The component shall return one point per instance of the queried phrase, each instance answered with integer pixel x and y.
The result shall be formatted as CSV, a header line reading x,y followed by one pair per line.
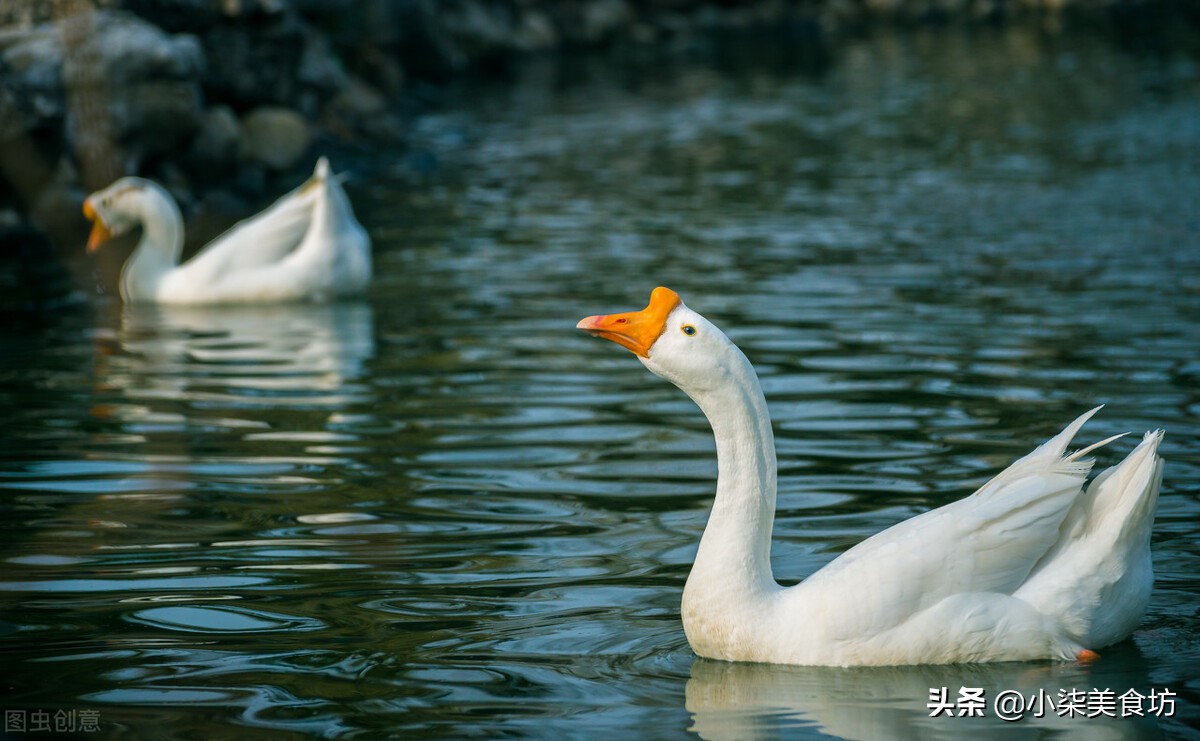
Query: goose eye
x,y
689,330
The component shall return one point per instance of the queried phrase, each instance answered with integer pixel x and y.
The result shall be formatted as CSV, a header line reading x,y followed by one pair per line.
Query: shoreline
x,y
227,104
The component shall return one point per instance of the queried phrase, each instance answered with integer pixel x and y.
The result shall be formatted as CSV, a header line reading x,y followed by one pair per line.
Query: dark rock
x,y
24,14
132,91
477,29
252,64
357,99
217,147
535,31
197,15
422,43
128,49
31,90
178,15
604,19
382,70
105,88
360,111
319,69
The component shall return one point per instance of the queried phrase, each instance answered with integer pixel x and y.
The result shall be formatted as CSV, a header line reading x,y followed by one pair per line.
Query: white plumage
x,y
307,245
1030,566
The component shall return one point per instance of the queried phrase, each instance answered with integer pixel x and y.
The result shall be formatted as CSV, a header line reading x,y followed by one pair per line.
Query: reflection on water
x,y
445,512
189,401
295,356
745,701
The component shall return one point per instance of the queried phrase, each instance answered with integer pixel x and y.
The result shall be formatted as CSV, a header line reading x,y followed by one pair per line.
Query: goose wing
x,y
989,541
1097,578
264,239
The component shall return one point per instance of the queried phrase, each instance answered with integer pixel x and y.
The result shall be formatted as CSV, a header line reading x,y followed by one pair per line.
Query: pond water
x,y
444,511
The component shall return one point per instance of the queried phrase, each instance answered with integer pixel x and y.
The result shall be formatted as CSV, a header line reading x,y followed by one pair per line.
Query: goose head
x,y
123,205
674,342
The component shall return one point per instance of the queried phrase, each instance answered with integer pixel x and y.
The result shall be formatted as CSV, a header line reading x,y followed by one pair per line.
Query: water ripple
x,y
442,511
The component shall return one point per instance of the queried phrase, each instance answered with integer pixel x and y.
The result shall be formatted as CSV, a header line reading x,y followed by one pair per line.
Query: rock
x,y
884,7
198,15
252,64
217,147
361,111
277,137
24,14
536,32
31,90
127,49
358,99
171,176
603,19
327,10
172,15
319,68
121,88
419,40
592,23
477,29
382,70
132,91
176,15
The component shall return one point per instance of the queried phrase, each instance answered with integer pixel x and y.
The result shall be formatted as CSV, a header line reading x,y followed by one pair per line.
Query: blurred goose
x,y
307,245
1030,566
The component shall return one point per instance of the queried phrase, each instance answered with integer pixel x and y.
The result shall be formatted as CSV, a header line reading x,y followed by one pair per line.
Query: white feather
x,y
307,245
1028,567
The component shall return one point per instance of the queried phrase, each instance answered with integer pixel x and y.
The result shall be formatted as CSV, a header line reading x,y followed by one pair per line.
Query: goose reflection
x,y
258,403
261,357
748,701
174,368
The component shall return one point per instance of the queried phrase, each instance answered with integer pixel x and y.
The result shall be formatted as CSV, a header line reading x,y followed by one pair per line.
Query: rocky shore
x,y
226,101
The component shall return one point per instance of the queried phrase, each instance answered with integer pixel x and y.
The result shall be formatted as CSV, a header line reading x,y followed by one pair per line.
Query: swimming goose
x,y
1030,566
307,245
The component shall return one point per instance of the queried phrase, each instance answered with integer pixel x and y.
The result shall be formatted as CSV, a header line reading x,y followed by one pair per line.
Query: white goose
x,y
1030,566
307,245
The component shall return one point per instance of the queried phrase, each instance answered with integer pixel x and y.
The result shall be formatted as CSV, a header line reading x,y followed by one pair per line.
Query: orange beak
x,y
635,330
100,233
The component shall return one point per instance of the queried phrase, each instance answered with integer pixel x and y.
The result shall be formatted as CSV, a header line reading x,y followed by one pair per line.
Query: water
x,y
443,511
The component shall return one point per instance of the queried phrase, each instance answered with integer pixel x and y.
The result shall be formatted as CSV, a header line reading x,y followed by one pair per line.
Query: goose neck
x,y
736,546
158,250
